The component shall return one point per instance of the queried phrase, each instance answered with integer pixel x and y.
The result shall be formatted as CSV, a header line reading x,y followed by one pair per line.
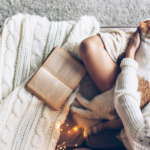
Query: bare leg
x,y
102,69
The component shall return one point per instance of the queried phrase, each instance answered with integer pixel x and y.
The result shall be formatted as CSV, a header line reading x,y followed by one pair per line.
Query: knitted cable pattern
x,y
12,33
25,121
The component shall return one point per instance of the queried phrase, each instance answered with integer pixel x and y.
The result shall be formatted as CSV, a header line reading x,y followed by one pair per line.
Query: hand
x,y
134,44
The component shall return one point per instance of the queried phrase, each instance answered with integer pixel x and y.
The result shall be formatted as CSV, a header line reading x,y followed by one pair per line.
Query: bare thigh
x,y
102,69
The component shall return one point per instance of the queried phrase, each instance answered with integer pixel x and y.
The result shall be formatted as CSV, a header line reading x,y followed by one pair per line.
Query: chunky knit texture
x,y
127,102
25,41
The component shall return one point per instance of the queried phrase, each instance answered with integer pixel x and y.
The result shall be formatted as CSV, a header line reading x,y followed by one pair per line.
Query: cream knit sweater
x,y
26,123
126,99
126,102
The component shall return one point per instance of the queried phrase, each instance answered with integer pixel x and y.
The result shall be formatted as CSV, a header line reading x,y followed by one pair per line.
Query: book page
x,y
50,89
64,67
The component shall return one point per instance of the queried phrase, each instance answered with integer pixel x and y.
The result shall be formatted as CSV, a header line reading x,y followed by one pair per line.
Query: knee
x,y
87,46
90,46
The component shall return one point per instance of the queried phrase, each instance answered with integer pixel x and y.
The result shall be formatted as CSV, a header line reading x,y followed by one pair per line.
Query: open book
x,y
56,78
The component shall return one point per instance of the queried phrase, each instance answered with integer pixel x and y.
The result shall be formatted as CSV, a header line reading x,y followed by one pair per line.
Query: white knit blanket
x,y
25,41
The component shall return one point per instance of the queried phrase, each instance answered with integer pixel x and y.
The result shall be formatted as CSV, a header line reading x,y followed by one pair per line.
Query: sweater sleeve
x,y
146,108
127,101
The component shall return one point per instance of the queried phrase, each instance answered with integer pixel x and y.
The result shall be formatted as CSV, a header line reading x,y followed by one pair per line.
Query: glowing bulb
x,y
76,145
58,125
85,135
64,146
75,128
67,125
68,131
61,129
63,142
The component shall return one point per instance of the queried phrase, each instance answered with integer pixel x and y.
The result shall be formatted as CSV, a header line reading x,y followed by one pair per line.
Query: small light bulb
x,y
58,125
85,135
76,145
67,125
75,128
61,129
68,131
63,142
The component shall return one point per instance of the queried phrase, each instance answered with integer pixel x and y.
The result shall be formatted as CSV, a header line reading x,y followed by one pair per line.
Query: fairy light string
x,y
63,145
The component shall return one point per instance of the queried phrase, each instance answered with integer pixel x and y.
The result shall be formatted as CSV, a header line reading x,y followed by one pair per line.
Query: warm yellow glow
x,y
61,129
85,134
67,125
64,146
63,142
58,125
76,144
75,128
68,131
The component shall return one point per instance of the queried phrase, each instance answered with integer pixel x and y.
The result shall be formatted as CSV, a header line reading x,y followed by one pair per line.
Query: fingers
x,y
83,101
82,112
137,32
138,29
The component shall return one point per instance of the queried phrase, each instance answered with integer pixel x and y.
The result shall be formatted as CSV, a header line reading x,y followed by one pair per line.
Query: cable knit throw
x,y
26,123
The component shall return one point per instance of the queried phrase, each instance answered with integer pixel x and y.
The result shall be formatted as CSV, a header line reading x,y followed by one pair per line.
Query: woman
x,y
104,71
